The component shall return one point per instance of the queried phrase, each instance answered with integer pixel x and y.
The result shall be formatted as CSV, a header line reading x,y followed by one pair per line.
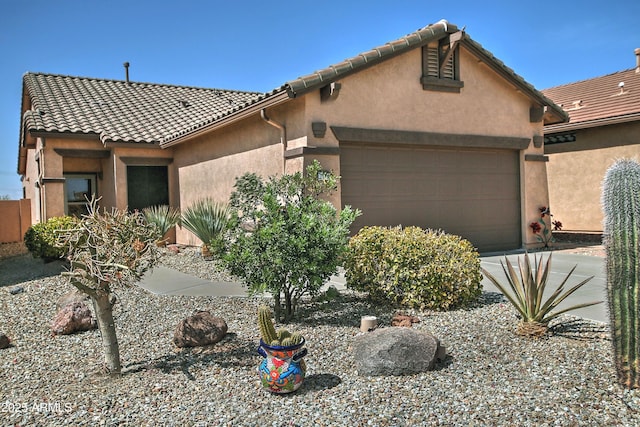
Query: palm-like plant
x,y
207,220
163,217
527,290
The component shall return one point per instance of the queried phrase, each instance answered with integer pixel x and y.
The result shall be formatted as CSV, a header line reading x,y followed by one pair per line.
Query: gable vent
x,y
433,64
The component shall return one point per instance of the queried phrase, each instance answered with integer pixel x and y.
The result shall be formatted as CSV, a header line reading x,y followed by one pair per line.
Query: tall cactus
x,y
621,206
269,334
267,330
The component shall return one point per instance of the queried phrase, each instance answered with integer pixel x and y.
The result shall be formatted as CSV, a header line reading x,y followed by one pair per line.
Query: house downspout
x,y
283,134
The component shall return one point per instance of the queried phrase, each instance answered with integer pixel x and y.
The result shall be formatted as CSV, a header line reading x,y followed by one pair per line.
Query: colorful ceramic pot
x,y
282,370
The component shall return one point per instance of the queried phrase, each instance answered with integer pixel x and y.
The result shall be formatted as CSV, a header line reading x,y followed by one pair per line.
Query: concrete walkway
x,y
165,281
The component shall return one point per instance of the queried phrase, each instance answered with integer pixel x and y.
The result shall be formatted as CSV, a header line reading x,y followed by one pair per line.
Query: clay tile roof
x,y
366,59
598,101
117,111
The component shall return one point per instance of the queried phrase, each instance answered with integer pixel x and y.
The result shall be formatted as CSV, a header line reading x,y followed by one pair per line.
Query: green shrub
x,y
284,238
40,239
412,267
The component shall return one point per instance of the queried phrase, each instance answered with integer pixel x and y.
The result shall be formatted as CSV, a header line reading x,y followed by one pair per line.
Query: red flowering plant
x,y
542,227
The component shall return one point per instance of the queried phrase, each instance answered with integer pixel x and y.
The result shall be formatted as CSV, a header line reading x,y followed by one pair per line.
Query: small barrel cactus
x,y
268,333
621,207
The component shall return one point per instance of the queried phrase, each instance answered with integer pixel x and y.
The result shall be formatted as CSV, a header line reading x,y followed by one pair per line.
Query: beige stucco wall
x,y
386,96
46,187
207,167
390,96
576,171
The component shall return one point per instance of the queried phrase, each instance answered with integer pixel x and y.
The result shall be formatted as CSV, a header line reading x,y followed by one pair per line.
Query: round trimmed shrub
x,y
412,267
40,239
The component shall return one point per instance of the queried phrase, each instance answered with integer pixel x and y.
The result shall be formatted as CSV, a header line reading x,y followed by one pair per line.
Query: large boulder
x,y
200,329
396,351
5,342
73,317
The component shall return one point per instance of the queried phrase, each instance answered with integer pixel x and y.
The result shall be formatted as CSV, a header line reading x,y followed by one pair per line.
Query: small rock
x,y
5,342
174,248
70,298
72,318
403,320
396,351
16,290
200,329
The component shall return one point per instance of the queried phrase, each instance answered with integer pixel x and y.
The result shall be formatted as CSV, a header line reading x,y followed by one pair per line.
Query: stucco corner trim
x,y
317,151
387,136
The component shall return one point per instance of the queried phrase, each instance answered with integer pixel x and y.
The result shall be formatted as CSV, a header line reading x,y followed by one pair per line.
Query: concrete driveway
x,y
561,264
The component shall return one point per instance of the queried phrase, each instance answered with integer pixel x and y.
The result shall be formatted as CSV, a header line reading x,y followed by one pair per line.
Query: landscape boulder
x,y
199,330
396,351
73,317
70,298
5,342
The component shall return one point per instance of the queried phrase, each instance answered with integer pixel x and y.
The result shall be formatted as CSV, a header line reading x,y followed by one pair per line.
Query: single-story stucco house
x,y
604,125
429,130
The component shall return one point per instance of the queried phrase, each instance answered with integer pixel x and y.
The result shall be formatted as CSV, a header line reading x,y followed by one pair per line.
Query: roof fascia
x,y
320,78
278,98
517,81
563,127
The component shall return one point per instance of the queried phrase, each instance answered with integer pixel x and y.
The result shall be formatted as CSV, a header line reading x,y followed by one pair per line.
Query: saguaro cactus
x,y
621,206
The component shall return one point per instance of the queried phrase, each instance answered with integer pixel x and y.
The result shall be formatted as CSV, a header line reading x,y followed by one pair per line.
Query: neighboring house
x,y
429,130
604,126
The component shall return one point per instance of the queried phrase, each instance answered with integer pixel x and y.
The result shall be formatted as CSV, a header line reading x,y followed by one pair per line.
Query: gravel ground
x,y
490,377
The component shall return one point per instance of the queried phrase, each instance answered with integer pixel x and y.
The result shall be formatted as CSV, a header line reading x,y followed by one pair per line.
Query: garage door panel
x,y
471,193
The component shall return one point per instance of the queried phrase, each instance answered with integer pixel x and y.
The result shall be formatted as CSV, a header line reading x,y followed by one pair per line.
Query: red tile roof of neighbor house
x,y
614,98
122,111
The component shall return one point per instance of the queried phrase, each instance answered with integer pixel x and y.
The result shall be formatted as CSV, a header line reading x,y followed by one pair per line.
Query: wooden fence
x,y
15,219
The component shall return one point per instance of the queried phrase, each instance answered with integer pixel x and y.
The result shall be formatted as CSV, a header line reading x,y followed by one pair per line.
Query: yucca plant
x,y
163,218
207,220
526,293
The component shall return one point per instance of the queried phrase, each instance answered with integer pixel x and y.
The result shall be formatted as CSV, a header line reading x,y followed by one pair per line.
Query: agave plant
x,y
207,220
527,293
163,217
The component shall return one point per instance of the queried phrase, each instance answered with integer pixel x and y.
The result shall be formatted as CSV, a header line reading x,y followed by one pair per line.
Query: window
x,y
440,66
147,186
78,189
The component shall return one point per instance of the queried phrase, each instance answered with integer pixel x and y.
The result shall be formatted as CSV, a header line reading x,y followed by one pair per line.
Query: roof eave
x,y
554,113
320,78
278,97
564,127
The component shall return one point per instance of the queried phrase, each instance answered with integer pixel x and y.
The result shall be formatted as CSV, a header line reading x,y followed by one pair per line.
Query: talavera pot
x,y
282,370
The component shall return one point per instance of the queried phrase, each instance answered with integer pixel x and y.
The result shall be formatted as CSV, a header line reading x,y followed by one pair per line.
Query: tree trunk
x,y
104,314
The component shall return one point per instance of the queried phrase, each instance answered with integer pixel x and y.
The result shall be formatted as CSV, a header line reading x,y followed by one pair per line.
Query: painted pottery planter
x,y
282,370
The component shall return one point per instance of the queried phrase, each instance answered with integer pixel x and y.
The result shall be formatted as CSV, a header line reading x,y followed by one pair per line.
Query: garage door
x,y
471,193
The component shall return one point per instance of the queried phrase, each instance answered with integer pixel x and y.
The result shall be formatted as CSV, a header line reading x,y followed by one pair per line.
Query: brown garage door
x,y
471,193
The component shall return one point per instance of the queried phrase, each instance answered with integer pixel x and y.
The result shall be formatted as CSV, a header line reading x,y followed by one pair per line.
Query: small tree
x,y
283,238
106,251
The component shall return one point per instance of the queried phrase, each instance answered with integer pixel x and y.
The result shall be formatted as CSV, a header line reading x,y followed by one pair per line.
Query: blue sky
x,y
258,45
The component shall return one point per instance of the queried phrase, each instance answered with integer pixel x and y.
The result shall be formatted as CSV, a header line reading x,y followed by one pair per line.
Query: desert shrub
x,y
412,267
207,220
163,217
285,239
41,239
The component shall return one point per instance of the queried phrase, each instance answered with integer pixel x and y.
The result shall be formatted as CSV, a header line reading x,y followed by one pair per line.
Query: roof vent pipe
x,y
637,52
126,71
